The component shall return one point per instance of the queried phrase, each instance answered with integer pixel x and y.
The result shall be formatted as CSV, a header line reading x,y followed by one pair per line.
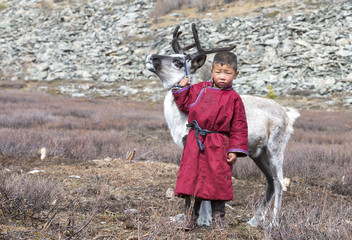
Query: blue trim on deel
x,y
200,94
237,150
181,90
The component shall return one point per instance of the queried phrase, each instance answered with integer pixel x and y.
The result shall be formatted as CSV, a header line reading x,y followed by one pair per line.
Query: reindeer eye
x,y
178,63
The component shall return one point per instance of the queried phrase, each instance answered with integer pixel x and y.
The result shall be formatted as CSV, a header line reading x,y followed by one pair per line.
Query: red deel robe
x,y
207,174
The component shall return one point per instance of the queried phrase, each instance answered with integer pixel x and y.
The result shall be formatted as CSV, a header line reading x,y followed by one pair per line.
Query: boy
x,y
218,135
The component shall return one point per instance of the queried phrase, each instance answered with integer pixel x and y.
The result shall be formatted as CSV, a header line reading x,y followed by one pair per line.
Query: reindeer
x,y
270,125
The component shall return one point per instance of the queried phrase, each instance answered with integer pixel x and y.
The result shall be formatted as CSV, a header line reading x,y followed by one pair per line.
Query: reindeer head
x,y
171,69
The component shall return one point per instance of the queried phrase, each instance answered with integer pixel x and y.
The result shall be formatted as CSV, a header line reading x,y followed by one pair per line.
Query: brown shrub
x,y
40,203
316,217
245,168
23,197
82,130
162,7
319,150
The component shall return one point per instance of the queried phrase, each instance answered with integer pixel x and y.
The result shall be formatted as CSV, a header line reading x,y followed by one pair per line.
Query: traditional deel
x,y
221,114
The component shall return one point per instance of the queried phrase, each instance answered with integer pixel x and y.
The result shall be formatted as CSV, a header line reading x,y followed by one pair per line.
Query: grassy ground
x,y
86,188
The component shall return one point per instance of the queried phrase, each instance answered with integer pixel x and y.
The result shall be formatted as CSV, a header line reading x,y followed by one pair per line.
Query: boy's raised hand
x,y
184,82
232,157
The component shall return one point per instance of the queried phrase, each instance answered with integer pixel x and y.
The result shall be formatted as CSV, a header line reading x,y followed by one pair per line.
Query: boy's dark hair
x,y
224,58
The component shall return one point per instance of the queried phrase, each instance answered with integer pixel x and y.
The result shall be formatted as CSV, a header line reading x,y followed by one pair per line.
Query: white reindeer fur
x,y
175,119
270,126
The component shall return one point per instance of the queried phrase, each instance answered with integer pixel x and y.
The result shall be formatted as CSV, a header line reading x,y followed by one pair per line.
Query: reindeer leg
x,y
205,214
263,164
273,161
278,184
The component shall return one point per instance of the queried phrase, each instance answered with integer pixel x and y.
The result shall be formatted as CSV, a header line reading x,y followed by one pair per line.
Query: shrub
x,y
81,130
40,203
317,217
24,197
162,7
319,150
271,93
201,5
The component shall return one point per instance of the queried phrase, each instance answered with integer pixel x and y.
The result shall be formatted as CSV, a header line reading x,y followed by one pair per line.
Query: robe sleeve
x,y
238,137
183,98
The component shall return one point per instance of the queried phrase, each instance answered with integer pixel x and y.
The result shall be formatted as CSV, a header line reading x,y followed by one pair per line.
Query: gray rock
x,y
323,82
348,101
84,75
344,53
330,103
274,42
107,41
57,76
348,78
125,90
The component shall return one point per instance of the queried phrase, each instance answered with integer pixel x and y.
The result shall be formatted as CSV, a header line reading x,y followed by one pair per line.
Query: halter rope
x,y
186,74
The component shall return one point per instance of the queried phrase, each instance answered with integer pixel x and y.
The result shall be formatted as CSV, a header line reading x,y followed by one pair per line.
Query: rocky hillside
x,y
299,48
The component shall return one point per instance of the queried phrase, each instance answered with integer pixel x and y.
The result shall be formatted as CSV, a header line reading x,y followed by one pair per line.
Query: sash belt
x,y
199,131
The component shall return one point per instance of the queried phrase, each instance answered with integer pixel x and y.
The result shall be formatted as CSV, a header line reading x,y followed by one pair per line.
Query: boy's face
x,y
223,75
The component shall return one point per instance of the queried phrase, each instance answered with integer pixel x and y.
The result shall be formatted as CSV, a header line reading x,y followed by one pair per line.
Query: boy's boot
x,y
191,214
218,213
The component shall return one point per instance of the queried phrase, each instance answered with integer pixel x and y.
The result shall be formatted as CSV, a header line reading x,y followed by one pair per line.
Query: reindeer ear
x,y
198,62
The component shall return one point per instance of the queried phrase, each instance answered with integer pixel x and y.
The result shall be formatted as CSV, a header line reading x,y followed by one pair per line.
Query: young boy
x,y
218,135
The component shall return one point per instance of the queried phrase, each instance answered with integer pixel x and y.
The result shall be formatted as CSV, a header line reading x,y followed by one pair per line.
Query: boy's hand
x,y
184,82
232,157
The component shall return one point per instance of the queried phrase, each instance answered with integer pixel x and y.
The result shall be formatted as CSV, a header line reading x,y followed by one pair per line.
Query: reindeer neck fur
x,y
175,119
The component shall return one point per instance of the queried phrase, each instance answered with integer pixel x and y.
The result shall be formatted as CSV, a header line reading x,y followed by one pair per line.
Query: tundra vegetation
x,y
166,6
85,188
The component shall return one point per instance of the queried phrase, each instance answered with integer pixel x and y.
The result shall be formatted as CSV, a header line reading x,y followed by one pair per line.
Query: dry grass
x,y
320,151
314,216
27,197
119,199
163,7
81,130
219,9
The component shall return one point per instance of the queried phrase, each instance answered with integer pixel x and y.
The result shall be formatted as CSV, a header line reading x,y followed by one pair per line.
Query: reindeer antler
x,y
177,48
176,45
211,50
